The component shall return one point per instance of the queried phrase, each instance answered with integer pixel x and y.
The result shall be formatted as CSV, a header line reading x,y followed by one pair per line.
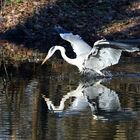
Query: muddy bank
x,y
29,25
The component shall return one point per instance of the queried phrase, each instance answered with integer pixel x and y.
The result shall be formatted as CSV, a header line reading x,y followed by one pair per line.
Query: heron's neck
x,y
63,51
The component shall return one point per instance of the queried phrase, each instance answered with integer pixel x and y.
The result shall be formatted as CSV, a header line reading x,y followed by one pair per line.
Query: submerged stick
x,y
5,69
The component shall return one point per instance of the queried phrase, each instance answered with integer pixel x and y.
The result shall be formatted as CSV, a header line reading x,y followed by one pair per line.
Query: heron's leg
x,y
99,72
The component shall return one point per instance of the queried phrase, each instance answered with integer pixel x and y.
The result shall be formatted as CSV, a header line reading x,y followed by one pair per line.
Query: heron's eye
x,y
51,50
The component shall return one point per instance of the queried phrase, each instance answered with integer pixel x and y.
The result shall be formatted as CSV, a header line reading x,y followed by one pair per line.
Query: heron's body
x,y
103,54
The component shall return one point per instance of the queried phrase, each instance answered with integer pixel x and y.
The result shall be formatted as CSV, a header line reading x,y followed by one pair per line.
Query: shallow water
x,y
54,102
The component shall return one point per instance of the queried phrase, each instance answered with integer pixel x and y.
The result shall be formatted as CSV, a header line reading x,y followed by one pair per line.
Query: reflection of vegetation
x,y
129,89
19,105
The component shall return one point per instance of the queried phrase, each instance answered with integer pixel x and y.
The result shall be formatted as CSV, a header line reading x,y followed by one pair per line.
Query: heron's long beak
x,y
46,58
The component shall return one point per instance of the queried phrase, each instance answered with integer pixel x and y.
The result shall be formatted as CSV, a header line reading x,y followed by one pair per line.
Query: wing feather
x,y
106,53
78,44
104,58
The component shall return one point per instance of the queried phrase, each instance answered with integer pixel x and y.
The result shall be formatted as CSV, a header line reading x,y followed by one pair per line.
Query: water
x,y
54,102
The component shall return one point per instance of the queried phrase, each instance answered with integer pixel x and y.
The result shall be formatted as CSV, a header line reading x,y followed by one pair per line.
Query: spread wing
x,y
106,53
78,44
102,58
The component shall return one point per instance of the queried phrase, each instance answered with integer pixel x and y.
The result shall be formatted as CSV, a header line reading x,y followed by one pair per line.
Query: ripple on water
x,y
25,115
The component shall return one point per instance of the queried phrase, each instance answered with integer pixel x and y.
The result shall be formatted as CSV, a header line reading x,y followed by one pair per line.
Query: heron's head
x,y
50,53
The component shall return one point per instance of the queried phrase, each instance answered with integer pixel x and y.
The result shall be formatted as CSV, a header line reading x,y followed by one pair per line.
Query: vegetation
x,y
28,25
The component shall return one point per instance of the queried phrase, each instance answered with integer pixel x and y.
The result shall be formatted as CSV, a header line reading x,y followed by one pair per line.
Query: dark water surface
x,y
55,103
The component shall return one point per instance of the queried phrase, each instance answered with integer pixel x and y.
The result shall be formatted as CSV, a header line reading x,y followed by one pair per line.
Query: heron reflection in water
x,y
104,53
93,95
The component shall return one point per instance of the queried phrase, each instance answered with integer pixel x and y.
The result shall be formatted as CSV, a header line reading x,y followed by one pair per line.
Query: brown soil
x,y
30,23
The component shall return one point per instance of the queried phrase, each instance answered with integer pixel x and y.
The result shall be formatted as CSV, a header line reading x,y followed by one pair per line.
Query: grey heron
x,y
104,53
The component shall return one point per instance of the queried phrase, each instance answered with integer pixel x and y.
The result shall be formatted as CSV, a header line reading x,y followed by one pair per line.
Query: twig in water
x,y
5,69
